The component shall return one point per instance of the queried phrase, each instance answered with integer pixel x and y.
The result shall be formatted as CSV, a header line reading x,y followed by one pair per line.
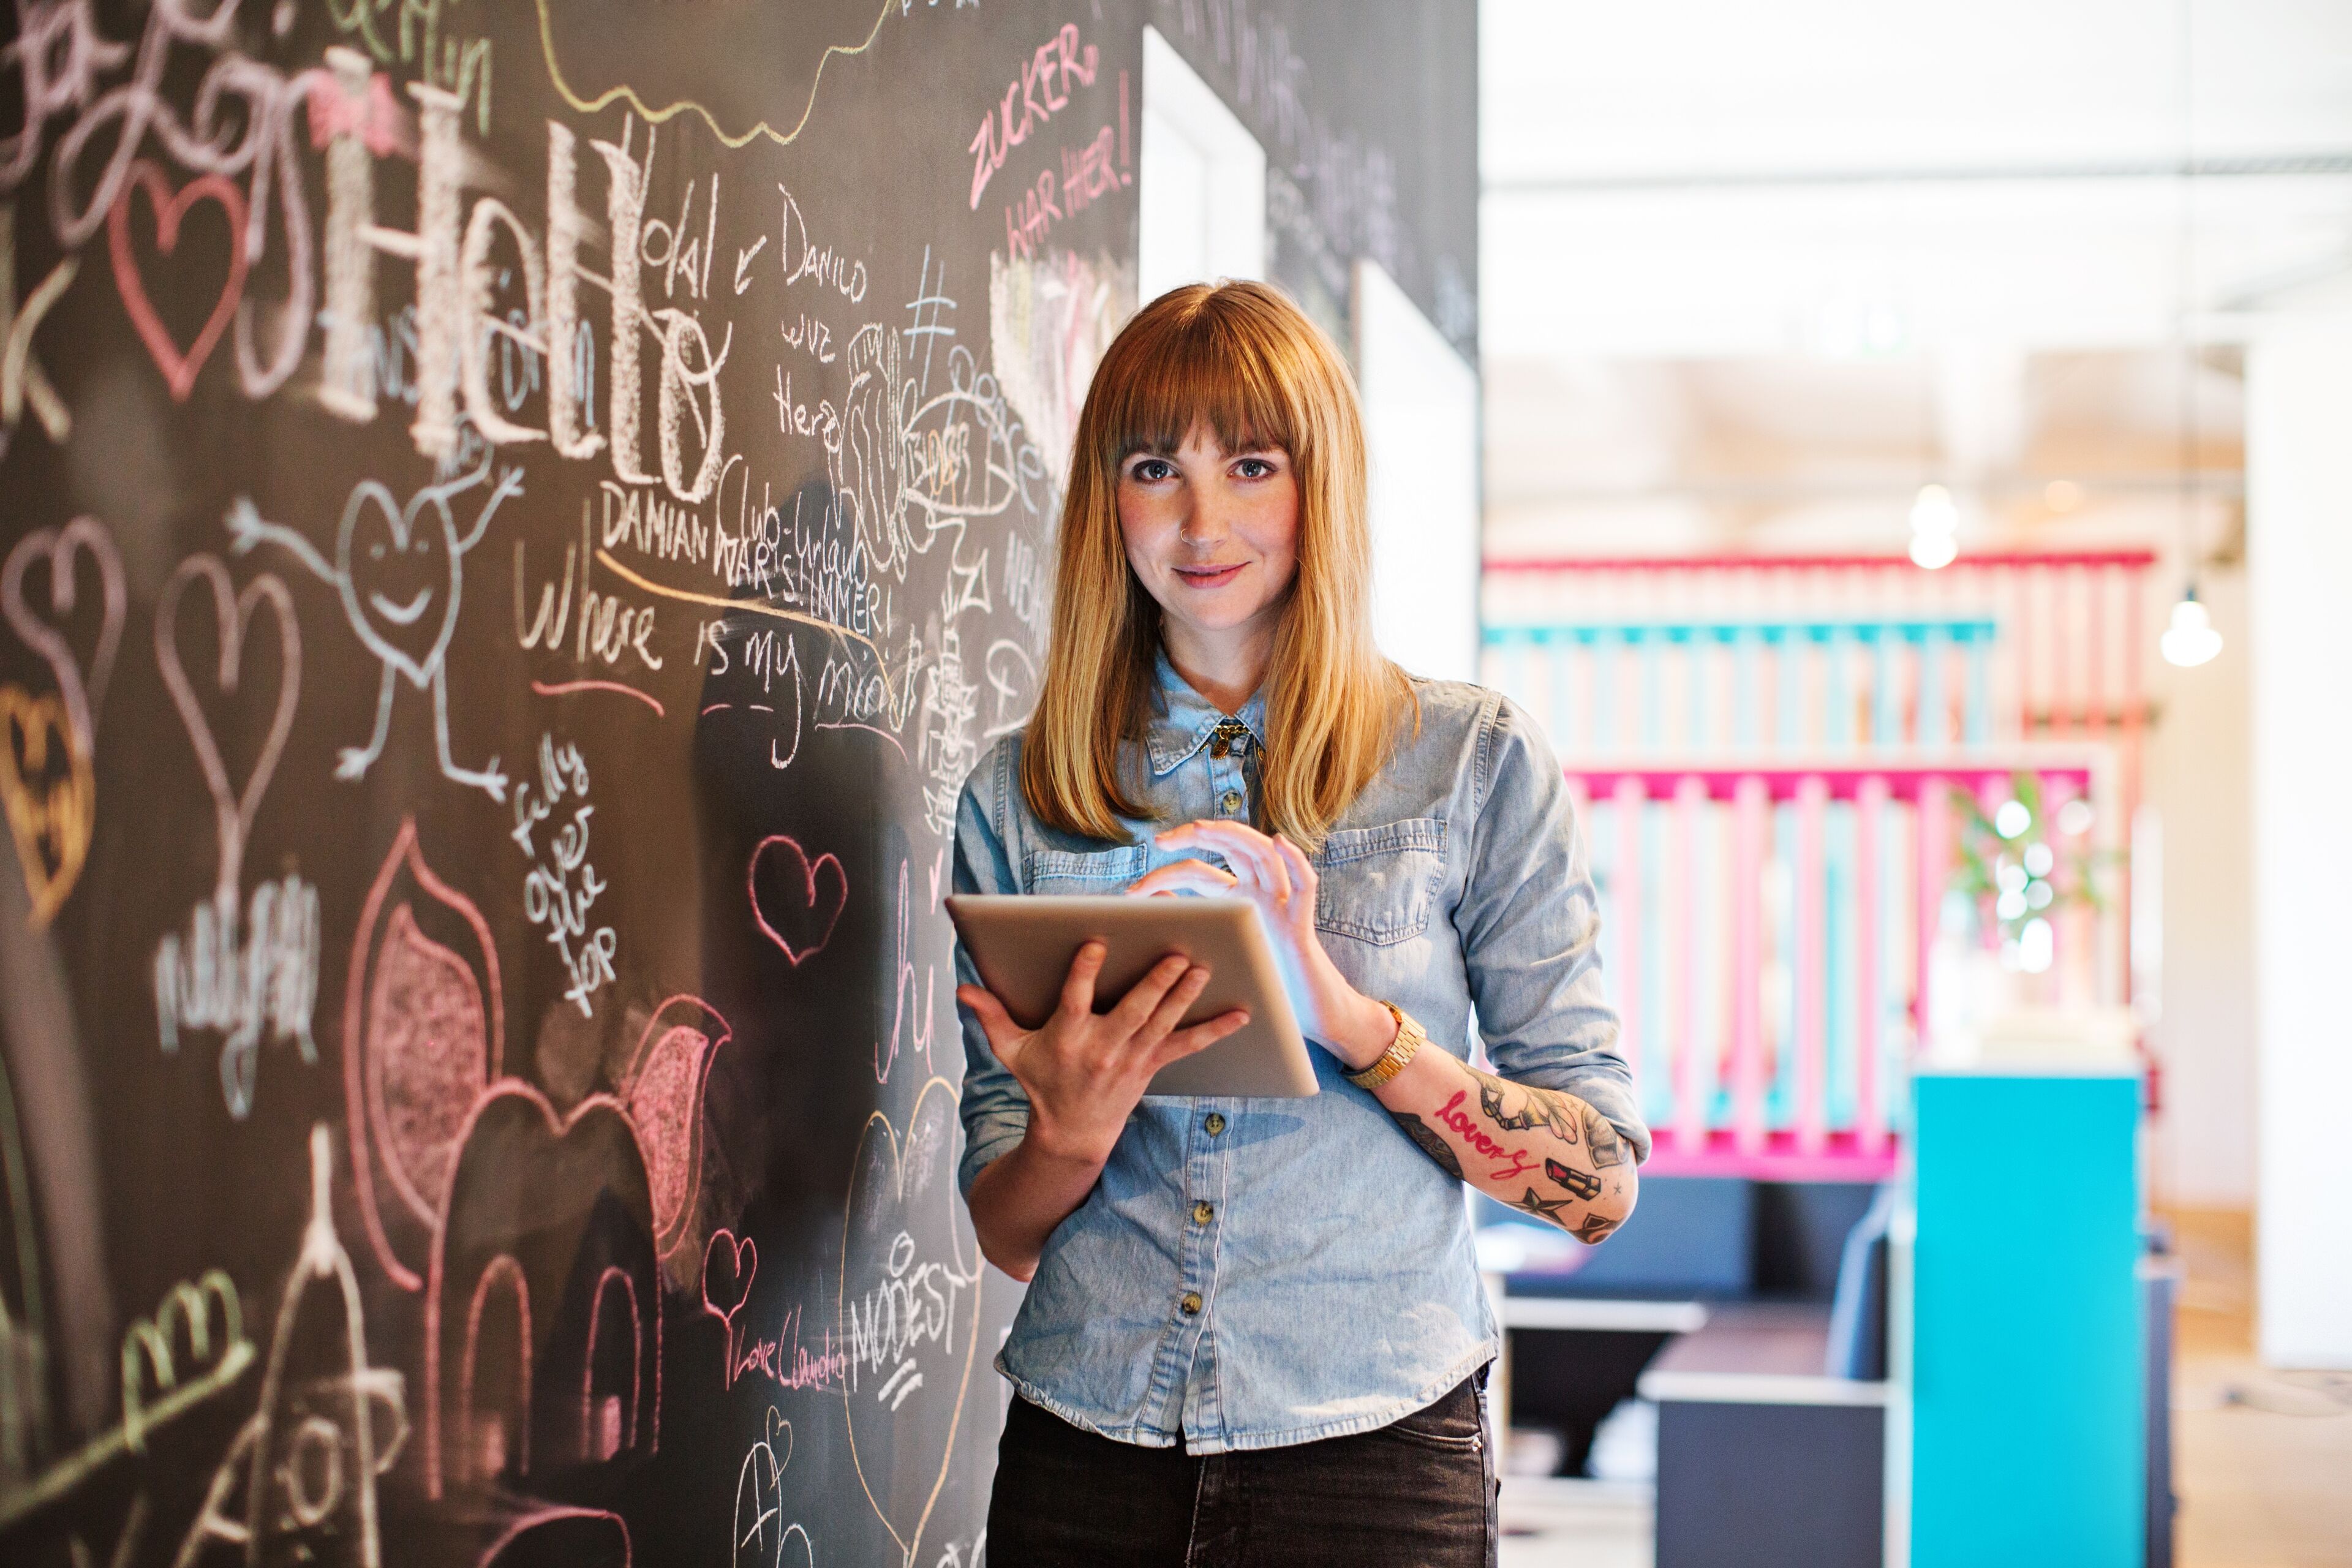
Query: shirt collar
x,y
1182,720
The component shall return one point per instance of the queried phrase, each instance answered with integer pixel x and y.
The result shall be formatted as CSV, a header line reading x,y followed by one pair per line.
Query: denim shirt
x,y
1261,1272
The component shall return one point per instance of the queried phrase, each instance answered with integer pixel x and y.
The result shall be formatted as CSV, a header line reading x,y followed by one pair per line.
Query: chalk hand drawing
x,y
192,1348
544,1308
237,981
424,1035
179,366
761,1536
329,1424
48,744
795,900
385,571
910,1312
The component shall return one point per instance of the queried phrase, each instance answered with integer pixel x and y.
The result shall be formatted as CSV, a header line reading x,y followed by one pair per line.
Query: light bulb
x,y
1934,525
2190,641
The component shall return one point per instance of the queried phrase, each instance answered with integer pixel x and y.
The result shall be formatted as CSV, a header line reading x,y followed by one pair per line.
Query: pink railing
x,y
1784,1053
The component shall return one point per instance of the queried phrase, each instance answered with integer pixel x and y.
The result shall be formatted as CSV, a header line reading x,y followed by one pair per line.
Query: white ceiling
x,y
1843,178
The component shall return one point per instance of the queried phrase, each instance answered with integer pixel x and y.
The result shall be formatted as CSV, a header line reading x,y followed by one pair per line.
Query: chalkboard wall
x,y
517,517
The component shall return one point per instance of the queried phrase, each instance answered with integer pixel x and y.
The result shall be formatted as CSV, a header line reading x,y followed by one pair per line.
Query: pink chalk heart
x,y
729,1266
795,900
179,368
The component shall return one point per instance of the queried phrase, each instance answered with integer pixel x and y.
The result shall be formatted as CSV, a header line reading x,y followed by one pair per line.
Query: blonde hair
x,y
1245,361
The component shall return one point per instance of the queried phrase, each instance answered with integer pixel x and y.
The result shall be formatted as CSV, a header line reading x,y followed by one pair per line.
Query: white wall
x,y
1202,193
2198,779
1421,428
2299,558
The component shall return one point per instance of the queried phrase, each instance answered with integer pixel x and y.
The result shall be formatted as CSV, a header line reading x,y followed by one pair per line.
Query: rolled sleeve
x,y
1531,922
995,1108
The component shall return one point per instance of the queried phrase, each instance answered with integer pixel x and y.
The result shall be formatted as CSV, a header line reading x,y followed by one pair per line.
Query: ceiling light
x,y
2190,641
1935,527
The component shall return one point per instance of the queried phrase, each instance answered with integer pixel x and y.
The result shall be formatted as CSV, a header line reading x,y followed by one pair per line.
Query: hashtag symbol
x,y
931,297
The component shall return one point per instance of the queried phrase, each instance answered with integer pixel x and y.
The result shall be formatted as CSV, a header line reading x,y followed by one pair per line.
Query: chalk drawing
x,y
795,900
761,1536
49,791
237,979
536,1196
388,582
306,1461
624,93
905,1280
22,379
179,365
192,1348
588,1537
424,1033
663,1088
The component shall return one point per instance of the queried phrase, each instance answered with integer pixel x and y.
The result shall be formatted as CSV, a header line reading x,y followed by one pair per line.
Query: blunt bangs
x,y
1206,364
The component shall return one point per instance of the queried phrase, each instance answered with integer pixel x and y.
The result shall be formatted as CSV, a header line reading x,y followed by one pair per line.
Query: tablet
x,y
1023,946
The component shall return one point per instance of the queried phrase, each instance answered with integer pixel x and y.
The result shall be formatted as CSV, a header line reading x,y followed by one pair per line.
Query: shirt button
x,y
1203,1214
1190,1303
1230,803
1213,1124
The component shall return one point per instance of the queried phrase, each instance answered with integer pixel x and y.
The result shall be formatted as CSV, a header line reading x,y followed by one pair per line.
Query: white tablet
x,y
1023,946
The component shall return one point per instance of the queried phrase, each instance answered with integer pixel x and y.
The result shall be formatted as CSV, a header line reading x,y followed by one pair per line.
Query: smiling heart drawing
x,y
401,576
179,367
233,808
910,1312
49,793
48,745
795,900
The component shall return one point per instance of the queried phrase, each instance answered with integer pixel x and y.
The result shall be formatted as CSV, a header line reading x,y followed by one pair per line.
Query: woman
x,y
1255,1330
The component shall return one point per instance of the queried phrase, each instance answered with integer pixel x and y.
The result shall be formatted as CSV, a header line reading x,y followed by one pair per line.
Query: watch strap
x,y
1410,1038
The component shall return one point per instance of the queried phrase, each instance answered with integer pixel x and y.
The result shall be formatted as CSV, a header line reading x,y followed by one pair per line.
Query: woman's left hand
x,y
1275,875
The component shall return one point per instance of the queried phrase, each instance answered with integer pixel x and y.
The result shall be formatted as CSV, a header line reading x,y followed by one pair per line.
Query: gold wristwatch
x,y
1410,1038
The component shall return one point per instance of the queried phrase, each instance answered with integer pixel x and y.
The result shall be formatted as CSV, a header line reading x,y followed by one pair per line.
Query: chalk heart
x,y
49,793
910,1312
233,615
729,1266
795,900
179,365
44,618
402,576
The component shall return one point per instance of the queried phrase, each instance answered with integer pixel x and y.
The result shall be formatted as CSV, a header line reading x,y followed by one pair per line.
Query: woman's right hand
x,y
1085,1072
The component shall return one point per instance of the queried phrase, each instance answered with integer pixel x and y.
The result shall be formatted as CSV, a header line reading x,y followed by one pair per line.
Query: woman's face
x,y
1214,536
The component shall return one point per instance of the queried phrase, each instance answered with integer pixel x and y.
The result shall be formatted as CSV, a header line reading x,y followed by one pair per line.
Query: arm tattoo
x,y
1608,1149
1435,1147
1544,1108
1594,1228
1542,1209
1581,1185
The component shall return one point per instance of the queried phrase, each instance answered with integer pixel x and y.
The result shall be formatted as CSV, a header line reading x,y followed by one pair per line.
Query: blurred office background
x,y
1865,387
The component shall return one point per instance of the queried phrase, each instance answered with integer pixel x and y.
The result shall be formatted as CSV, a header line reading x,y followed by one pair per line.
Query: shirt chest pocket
x,y
1064,872
1379,884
